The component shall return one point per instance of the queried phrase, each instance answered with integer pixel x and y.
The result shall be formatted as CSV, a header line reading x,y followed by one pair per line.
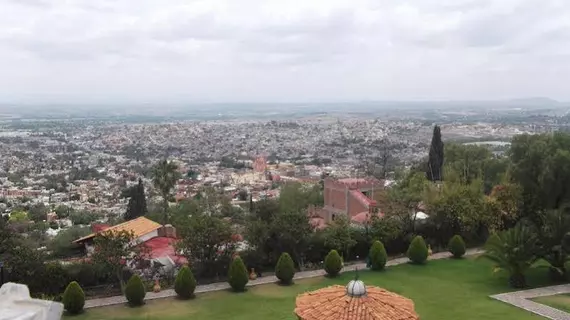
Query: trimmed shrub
x,y
135,291
73,298
418,251
285,269
185,284
378,256
456,246
237,275
333,263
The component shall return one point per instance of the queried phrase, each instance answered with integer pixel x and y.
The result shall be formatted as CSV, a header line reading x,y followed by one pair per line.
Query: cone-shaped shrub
x,y
378,256
333,263
185,284
285,269
456,246
418,251
73,298
135,291
237,275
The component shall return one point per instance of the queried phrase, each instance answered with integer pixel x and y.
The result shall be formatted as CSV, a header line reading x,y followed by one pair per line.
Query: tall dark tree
x,y
137,202
435,160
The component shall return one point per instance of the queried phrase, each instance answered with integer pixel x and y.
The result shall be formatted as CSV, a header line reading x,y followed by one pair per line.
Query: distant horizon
x,y
532,100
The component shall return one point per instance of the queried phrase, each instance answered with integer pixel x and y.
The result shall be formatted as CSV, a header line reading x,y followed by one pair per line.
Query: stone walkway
x,y
101,302
522,300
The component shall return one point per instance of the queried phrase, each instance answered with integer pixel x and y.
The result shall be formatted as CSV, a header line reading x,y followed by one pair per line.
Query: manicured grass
x,y
441,290
559,301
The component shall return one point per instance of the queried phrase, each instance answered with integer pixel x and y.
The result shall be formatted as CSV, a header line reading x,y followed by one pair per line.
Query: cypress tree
x,y
435,160
137,202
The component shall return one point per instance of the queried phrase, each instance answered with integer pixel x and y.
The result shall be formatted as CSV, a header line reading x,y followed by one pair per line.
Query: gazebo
x,y
354,302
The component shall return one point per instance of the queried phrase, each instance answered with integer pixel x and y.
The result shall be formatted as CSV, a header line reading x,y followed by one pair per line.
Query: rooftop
x,y
354,302
139,226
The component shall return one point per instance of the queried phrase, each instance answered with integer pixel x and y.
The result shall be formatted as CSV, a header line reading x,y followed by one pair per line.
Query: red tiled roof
x,y
365,216
332,303
99,227
160,247
357,194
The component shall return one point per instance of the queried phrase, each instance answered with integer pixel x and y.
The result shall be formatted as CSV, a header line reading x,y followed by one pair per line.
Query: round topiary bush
x,y
185,284
73,298
456,246
135,291
378,256
285,269
418,251
237,275
333,263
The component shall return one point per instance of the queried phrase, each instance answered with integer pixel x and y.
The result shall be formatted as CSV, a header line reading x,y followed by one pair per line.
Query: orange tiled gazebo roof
x,y
340,303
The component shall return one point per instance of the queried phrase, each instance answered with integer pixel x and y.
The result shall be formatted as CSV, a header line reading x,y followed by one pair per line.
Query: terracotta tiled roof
x,y
365,216
139,226
332,303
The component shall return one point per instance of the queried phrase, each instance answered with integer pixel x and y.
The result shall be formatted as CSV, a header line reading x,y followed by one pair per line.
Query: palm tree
x,y
164,177
514,251
554,242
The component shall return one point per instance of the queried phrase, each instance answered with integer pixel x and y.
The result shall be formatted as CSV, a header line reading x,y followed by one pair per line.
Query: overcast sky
x,y
282,51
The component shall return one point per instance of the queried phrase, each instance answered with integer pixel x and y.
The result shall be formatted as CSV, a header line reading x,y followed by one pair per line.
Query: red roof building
x,y
350,197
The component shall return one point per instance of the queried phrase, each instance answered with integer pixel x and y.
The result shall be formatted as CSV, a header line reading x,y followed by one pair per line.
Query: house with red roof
x,y
352,197
159,240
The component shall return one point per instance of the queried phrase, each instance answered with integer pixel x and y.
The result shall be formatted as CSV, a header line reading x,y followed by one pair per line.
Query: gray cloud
x,y
285,50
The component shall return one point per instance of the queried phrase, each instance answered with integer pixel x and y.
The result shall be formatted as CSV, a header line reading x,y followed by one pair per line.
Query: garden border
x,y
521,299
116,300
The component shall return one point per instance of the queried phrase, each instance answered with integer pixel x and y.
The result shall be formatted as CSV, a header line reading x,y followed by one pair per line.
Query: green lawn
x,y
559,301
441,290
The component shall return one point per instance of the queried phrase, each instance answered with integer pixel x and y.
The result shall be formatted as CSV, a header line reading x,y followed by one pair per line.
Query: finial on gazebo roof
x,y
356,288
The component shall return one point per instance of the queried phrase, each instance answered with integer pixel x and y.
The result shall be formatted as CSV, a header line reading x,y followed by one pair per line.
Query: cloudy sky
x,y
282,51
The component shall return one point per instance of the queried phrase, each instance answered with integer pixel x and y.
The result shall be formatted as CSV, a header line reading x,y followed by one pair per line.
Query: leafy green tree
x,y
206,240
386,228
456,246
185,284
541,166
135,291
295,197
62,246
164,177
113,248
378,256
554,242
513,250
338,235
285,269
83,217
26,265
18,216
137,202
237,275
291,232
333,263
473,162
63,211
73,298
435,160
8,237
418,251
459,208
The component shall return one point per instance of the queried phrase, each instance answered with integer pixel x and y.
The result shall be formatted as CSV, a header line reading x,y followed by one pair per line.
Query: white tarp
x,y
16,304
